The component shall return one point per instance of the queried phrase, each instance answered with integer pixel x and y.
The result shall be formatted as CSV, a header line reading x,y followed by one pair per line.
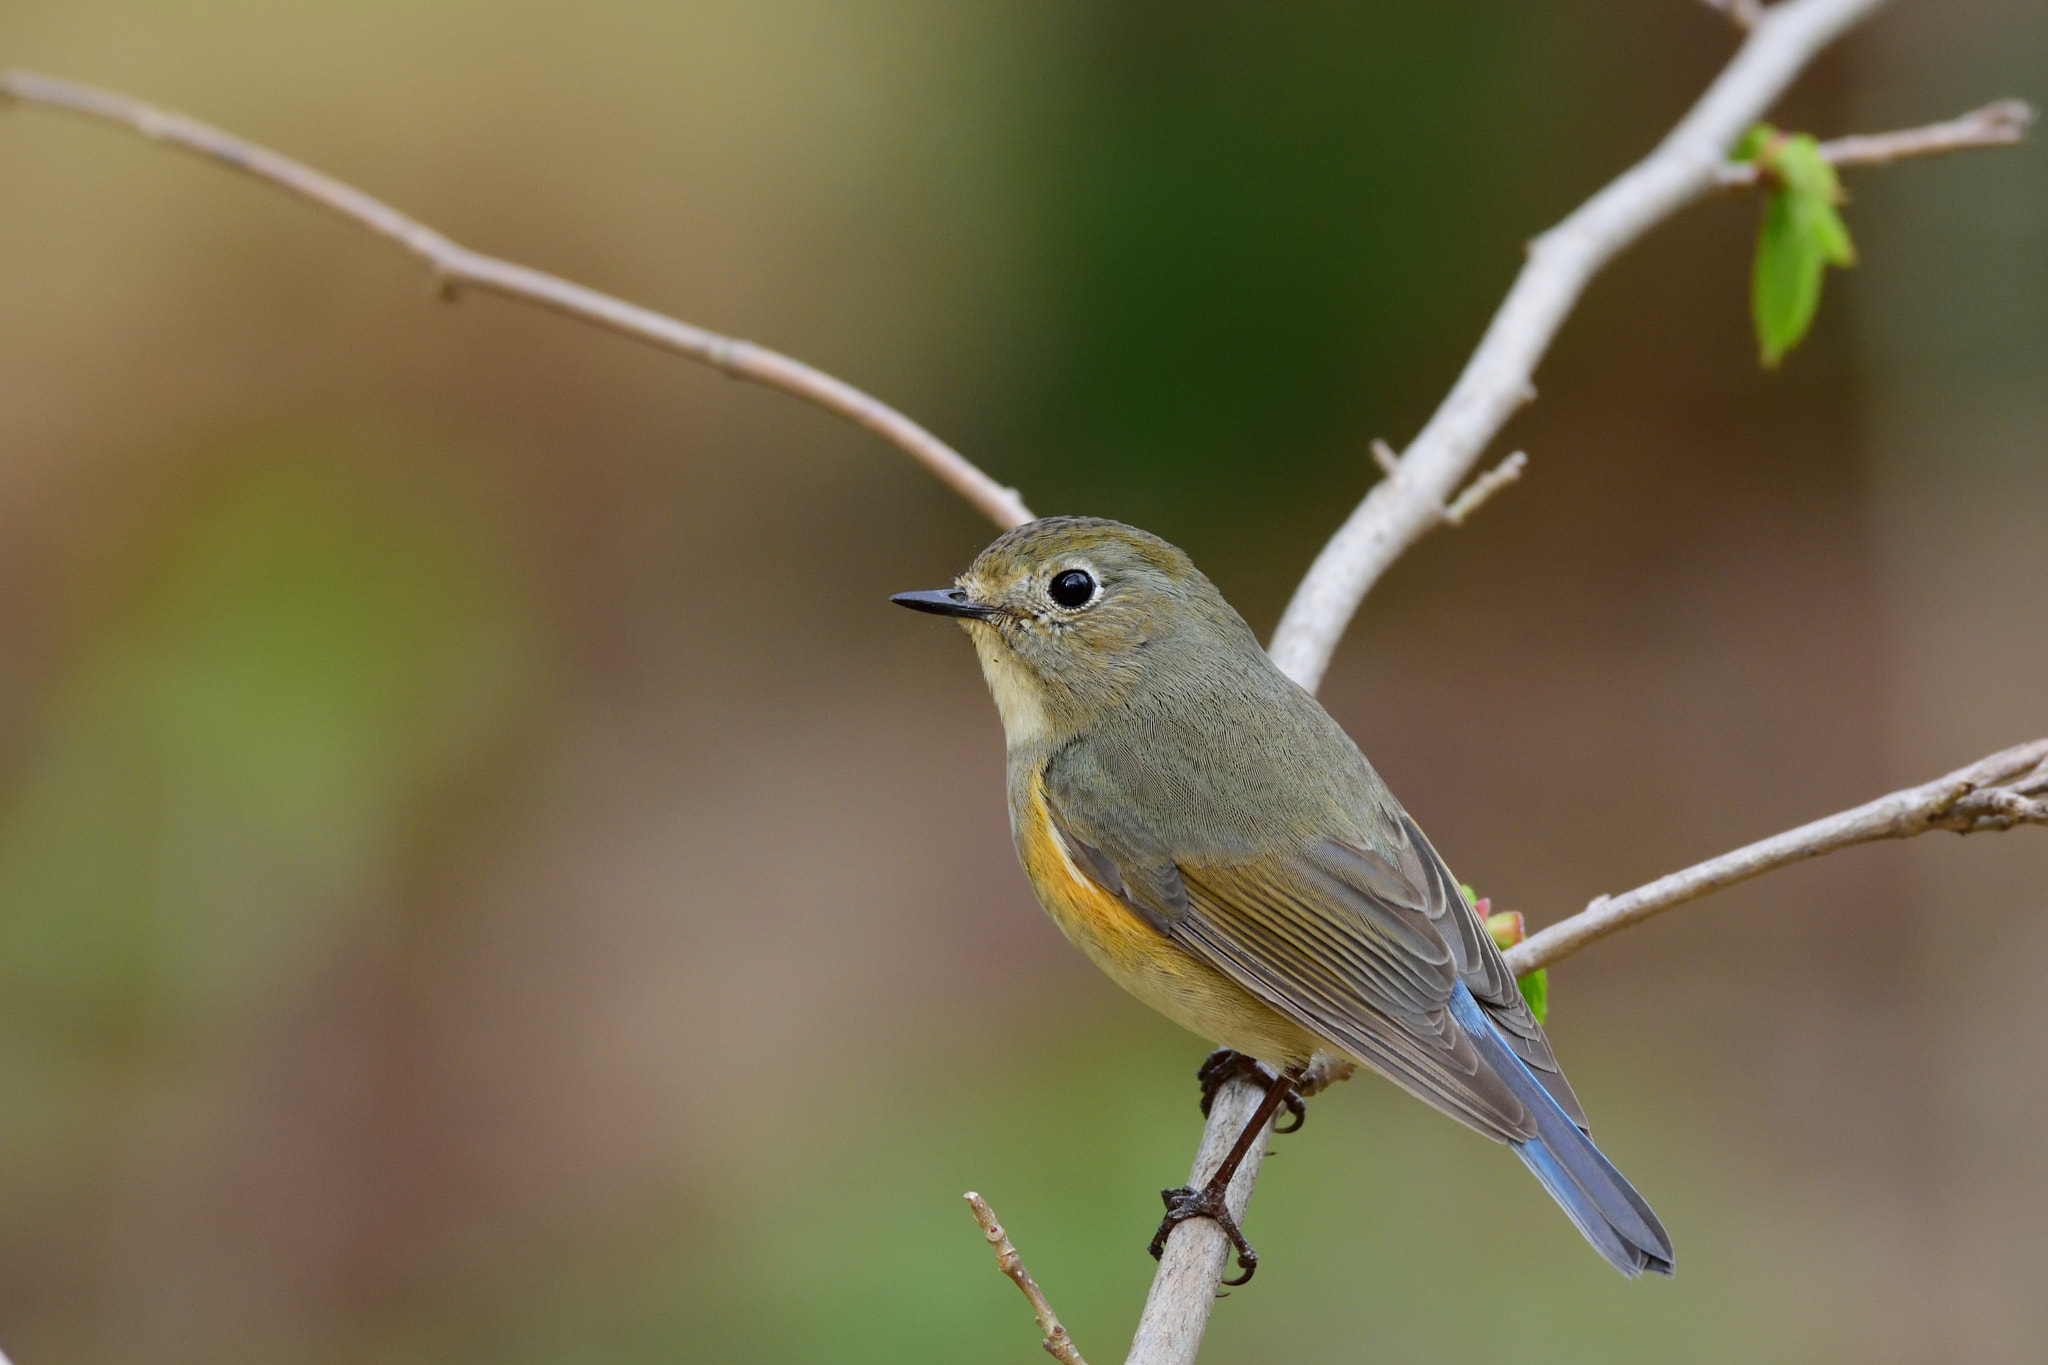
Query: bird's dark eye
x,y
1072,588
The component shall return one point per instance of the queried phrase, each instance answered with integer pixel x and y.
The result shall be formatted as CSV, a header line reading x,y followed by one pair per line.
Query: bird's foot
x,y
1223,1066
1208,1202
1188,1202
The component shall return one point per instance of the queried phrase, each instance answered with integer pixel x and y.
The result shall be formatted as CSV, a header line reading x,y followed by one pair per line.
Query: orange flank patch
x,y
1091,918
1143,961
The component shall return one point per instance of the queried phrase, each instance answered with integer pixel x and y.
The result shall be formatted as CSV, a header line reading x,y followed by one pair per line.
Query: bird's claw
x,y
1188,1202
1223,1066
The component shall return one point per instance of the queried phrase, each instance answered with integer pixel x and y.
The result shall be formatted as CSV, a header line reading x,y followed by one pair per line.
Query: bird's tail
x,y
1600,1202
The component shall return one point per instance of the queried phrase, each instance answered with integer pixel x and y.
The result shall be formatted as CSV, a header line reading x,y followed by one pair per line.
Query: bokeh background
x,y
486,877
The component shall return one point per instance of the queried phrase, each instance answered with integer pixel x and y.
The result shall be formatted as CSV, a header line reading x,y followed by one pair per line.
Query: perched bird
x,y
1200,827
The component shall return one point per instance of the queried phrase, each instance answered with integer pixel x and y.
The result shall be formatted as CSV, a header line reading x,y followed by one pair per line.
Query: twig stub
x,y
1484,487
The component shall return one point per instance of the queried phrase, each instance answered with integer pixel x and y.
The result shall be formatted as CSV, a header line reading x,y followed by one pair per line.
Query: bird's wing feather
x,y
1487,976
1360,946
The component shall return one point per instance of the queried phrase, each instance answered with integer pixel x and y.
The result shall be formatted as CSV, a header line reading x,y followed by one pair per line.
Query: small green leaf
x,y
1785,285
1799,166
1753,142
1535,988
1802,235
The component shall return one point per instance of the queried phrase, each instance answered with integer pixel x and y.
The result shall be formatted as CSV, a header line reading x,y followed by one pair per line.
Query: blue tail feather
x,y
1600,1202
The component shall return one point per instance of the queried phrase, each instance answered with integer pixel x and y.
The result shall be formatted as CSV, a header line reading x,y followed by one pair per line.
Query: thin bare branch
x,y
2006,789
1484,487
1998,124
1057,1343
1686,164
459,268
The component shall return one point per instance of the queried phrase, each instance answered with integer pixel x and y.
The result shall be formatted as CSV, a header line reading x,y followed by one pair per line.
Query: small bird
x,y
1206,834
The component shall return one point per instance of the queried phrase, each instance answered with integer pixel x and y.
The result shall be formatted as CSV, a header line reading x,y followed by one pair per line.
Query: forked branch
x,y
1689,162
459,268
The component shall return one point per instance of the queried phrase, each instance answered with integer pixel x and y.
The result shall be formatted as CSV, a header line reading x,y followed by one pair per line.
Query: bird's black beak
x,y
944,602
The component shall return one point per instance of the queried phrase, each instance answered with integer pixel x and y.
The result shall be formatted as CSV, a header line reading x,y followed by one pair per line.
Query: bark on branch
x,y
1192,1264
458,268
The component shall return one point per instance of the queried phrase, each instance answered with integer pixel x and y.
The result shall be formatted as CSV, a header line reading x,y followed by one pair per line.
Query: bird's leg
x,y
1224,1065
1208,1202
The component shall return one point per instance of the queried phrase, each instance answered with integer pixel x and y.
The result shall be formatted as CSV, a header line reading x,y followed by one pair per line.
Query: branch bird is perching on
x,y
1420,490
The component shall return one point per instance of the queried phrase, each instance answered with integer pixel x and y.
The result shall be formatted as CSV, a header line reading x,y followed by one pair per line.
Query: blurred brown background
x,y
485,876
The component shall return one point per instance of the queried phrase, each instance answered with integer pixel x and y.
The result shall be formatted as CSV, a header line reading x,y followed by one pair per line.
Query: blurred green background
x,y
486,877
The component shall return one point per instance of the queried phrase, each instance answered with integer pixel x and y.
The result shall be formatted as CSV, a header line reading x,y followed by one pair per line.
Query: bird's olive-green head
x,y
1072,615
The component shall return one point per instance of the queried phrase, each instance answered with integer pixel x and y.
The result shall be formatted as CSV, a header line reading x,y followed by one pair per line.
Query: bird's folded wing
x,y
1486,973
1359,948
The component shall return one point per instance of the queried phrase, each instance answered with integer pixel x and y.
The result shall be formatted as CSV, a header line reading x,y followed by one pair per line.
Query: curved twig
x,y
459,268
2006,789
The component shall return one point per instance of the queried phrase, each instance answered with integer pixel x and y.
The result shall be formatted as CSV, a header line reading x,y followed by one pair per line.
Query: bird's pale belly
x,y
1142,960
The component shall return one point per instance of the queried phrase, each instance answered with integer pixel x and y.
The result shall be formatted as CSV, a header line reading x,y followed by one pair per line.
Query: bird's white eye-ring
x,y
1073,588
